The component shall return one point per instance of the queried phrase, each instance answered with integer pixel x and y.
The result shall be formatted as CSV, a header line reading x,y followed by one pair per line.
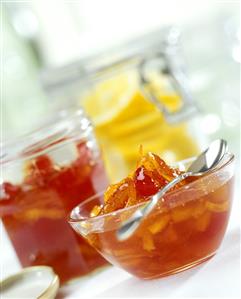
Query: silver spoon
x,y
206,161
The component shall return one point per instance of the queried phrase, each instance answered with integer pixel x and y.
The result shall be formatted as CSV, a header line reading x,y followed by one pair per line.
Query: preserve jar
x,y
136,94
45,175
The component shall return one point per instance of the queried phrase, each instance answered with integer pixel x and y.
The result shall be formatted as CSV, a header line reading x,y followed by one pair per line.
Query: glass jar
x,y
46,174
136,94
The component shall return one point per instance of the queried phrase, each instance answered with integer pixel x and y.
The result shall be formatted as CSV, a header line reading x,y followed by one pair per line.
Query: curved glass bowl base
x,y
181,269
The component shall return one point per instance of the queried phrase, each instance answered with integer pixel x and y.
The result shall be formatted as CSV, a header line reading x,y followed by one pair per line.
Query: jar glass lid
x,y
158,51
62,126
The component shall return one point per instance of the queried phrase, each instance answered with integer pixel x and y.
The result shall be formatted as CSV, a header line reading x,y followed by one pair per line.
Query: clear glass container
x,y
45,174
136,94
184,229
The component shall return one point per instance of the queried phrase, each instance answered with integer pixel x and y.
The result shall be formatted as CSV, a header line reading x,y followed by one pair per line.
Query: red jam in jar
x,y
57,173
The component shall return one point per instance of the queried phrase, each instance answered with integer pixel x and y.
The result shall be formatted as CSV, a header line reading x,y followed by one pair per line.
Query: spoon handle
x,y
129,226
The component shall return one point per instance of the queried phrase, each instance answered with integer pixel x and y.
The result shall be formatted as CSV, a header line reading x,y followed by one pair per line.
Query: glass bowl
x,y
185,228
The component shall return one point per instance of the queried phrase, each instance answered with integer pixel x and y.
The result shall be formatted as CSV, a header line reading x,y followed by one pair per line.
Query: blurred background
x,y
164,74
47,44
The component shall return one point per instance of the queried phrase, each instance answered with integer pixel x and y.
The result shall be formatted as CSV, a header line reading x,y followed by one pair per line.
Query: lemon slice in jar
x,y
124,119
107,99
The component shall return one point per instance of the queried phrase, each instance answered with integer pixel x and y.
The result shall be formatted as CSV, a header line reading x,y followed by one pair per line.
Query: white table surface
x,y
219,277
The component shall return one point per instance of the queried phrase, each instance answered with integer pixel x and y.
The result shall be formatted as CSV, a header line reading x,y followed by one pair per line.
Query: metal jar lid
x,y
37,282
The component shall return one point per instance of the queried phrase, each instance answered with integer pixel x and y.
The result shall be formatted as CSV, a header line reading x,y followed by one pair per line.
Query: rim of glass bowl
x,y
169,203
63,126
